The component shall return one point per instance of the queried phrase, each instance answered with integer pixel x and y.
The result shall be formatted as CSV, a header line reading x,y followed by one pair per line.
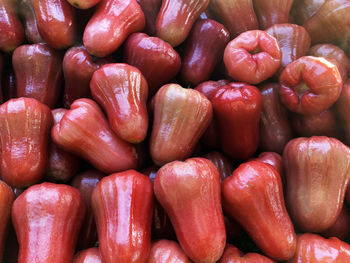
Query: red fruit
x,y
122,92
302,10
112,22
150,9
341,228
253,196
155,58
122,204
11,30
189,192
1,72
164,251
222,163
47,218
310,85
176,18
252,57
83,4
84,131
275,130
180,118
55,21
237,109
233,255
293,40
6,199
312,248
78,68
25,125
91,255
61,165
322,124
38,73
86,182
27,13
273,159
317,173
203,51
342,107
9,88
237,15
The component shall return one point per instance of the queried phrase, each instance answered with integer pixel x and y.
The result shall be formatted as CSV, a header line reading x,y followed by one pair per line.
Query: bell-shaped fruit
x,y
122,205
252,57
122,91
237,109
86,182
55,21
237,15
222,163
83,4
317,173
253,196
180,118
203,51
25,127
342,107
310,85
38,71
190,193
112,22
155,58
176,18
27,13
84,131
11,30
233,255
293,40
150,9
166,251
78,68
275,130
47,219
341,228
91,255
313,248
302,10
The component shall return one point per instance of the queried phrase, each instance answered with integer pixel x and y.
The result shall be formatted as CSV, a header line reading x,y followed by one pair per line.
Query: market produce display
x,y
174,131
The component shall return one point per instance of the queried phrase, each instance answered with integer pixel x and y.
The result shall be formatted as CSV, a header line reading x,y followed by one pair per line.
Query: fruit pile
x,y
169,131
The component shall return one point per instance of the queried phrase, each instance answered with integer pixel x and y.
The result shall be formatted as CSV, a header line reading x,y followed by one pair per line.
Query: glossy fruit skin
x,y
61,165
122,91
78,68
322,124
11,30
237,109
27,13
238,16
272,158
302,10
312,248
90,255
9,89
203,51
1,73
25,124
314,201
275,129
253,196
176,18
38,70
293,40
83,4
112,22
150,9
254,68
47,209
165,251
233,255
342,107
341,228
330,22
271,12
190,193
6,200
180,118
55,21
83,130
86,182
222,163
310,85
122,205
155,58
